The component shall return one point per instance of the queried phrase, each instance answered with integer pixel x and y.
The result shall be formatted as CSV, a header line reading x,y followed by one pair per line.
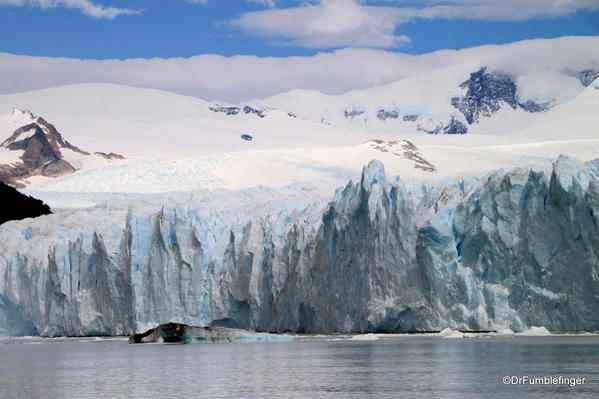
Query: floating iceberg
x,y
365,337
181,333
535,331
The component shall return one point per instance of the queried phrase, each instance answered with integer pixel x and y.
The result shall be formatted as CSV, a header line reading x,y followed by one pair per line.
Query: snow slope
x,y
150,124
177,143
423,102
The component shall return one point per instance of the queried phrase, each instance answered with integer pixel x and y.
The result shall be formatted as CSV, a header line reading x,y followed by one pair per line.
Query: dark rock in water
x,y
410,118
169,332
588,76
182,334
384,115
17,206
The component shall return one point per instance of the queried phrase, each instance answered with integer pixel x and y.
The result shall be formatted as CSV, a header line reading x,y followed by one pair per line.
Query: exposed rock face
x,y
41,154
16,206
517,248
452,127
588,76
232,110
487,92
384,115
110,155
42,149
251,110
225,110
404,149
352,113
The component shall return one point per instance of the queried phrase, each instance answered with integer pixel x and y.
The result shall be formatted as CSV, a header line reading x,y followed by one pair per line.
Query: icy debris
x,y
449,333
365,337
535,331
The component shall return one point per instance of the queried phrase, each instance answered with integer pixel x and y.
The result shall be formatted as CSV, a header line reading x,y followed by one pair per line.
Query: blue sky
x,y
181,28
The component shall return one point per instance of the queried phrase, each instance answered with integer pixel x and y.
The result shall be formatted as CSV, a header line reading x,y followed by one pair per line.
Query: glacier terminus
x,y
509,249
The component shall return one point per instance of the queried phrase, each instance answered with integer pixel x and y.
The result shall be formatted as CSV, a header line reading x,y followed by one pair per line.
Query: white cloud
x,y
330,23
241,78
338,23
87,7
266,3
505,10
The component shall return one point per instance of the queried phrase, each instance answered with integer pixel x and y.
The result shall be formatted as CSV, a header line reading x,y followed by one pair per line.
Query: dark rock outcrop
x,y
351,114
487,92
258,112
404,149
41,154
232,110
384,115
42,149
225,110
588,76
17,206
110,155
453,127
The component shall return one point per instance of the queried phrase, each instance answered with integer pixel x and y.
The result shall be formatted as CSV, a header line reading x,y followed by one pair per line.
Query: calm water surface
x,y
405,367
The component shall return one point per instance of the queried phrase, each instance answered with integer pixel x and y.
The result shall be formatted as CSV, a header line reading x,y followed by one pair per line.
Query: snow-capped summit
x,y
473,97
39,129
487,92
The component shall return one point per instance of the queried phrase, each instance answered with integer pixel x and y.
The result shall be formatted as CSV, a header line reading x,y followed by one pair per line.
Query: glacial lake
x,y
312,367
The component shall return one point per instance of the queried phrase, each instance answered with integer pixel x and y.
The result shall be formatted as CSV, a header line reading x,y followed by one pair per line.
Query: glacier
x,y
509,250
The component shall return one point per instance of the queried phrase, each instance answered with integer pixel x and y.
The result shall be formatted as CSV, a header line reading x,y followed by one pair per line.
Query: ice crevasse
x,y
517,248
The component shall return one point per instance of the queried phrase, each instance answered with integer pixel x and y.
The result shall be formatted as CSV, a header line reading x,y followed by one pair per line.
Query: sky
x,y
187,33
107,29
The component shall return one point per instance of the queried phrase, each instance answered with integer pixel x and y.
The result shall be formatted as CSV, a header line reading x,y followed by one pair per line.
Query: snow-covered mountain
x,y
154,124
174,142
453,100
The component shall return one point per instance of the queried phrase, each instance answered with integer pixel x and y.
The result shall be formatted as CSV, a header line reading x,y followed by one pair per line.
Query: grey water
x,y
394,367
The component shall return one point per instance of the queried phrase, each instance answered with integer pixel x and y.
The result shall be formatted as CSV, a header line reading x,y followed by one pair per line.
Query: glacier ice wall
x,y
510,250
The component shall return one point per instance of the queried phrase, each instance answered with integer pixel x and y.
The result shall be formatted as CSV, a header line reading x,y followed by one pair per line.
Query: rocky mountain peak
x,y
487,92
41,149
